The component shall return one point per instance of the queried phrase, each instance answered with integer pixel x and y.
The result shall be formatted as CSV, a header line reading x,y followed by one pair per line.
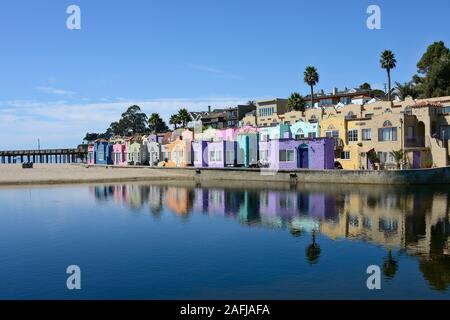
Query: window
x,y
366,134
101,154
369,115
411,133
215,155
312,135
345,155
332,134
230,156
300,134
386,157
353,135
387,134
286,155
264,155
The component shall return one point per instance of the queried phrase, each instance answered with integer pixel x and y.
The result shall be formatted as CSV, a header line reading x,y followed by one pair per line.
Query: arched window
x,y
387,124
299,134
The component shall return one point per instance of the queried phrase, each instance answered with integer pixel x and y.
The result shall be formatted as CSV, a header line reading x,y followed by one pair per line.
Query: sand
x,y
70,173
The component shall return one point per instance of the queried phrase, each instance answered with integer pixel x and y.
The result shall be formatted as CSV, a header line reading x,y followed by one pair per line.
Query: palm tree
x,y
406,89
153,122
184,117
398,156
388,62
296,102
174,120
311,78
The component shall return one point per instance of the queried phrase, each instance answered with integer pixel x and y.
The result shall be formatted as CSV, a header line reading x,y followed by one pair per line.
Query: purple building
x,y
216,154
289,154
199,149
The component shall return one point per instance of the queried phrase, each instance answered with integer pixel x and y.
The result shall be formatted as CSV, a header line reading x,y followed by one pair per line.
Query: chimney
x,y
335,91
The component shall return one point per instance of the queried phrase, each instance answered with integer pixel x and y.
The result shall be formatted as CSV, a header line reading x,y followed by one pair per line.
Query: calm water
x,y
186,241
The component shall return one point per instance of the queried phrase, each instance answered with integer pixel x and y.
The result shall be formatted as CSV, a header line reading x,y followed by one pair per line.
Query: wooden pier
x,y
77,155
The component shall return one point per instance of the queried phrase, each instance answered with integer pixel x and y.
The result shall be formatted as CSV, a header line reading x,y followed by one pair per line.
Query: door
x,y
303,158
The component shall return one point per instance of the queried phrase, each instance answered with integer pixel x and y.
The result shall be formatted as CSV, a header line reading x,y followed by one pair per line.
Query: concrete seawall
x,y
398,177
76,173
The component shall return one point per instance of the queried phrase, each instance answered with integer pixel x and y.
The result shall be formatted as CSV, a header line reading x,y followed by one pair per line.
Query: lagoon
x,y
185,240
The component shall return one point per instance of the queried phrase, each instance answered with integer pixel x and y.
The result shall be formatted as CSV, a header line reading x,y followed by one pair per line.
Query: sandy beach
x,y
69,173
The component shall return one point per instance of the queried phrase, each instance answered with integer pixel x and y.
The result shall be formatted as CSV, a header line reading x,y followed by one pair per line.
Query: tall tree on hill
x,y
433,78
156,124
388,62
133,121
311,78
184,116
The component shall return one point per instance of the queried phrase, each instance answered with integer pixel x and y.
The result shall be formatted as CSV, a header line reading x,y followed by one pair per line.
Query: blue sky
x,y
57,84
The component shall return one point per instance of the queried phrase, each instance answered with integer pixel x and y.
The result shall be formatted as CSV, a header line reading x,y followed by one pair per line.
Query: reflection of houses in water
x,y
179,200
155,199
394,220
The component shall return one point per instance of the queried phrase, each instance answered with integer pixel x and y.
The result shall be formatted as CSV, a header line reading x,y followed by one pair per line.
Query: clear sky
x,y
57,84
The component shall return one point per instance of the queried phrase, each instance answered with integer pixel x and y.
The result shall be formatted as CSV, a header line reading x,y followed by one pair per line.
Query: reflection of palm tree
x,y
436,269
390,266
313,250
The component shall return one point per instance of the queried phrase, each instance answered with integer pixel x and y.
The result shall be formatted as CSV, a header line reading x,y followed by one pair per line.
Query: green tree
x,y
133,121
398,156
174,120
90,137
156,124
433,78
365,86
388,62
406,89
311,78
296,102
184,117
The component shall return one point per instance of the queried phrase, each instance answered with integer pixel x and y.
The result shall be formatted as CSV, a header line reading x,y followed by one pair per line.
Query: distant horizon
x,y
59,84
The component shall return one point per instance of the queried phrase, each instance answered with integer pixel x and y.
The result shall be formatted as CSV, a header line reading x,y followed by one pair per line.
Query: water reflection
x,y
414,221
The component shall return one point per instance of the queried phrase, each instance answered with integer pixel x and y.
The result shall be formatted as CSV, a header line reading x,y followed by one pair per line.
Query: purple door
x,y
416,160
303,158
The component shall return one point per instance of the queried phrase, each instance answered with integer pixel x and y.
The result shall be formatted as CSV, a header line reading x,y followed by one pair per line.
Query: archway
x,y
303,157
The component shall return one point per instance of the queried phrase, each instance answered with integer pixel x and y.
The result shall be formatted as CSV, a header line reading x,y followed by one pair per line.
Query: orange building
x,y
178,153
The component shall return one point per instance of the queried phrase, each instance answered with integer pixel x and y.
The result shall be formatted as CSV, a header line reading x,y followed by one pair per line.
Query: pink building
x,y
120,152
91,154
229,134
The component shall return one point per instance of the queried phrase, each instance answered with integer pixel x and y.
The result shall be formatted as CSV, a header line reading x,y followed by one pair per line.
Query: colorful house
x,y
91,154
153,149
289,154
280,131
120,152
199,151
103,152
137,153
178,153
221,154
247,145
302,129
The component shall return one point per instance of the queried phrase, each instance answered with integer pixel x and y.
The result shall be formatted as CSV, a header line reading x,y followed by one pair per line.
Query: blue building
x,y
103,152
